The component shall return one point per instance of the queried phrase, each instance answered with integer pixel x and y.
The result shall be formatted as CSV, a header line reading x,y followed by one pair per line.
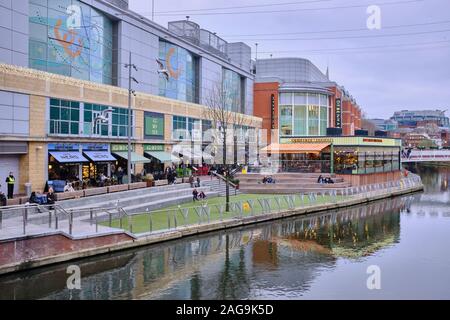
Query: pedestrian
x,y
51,198
3,200
120,175
10,181
195,195
191,181
198,182
202,195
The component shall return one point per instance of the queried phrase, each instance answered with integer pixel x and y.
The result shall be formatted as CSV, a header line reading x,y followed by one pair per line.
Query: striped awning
x,y
294,148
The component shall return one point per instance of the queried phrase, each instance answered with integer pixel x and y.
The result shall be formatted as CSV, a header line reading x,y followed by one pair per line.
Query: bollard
x,y
70,222
150,221
1,219
91,215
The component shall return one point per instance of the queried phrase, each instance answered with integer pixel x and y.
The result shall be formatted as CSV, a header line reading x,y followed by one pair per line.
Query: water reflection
x,y
226,265
316,256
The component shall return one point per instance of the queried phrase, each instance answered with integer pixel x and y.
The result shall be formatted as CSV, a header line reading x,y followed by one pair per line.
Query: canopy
x,y
294,148
99,156
68,156
162,156
135,158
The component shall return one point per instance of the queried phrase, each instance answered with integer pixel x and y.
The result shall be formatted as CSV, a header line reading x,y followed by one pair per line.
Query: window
x,y
64,117
286,120
313,120
185,128
231,87
82,50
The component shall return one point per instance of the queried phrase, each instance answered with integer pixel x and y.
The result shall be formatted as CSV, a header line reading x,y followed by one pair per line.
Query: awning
x,y
294,148
135,158
68,156
99,156
163,156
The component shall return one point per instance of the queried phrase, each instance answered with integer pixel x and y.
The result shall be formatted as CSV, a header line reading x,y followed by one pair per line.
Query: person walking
x,y
3,200
119,175
10,181
195,195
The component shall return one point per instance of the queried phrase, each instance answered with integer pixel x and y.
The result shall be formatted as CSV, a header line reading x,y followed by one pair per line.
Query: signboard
x,y
120,147
338,114
347,141
63,147
95,147
272,111
153,125
153,147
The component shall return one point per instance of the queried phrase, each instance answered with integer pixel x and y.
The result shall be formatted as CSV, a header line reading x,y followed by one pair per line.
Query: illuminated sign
x,y
153,147
153,125
272,111
373,140
338,113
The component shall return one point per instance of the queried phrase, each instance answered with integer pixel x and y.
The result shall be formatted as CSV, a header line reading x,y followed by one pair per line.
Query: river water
x,y
322,256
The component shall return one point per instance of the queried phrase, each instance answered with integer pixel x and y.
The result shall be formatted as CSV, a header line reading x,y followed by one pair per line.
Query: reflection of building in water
x,y
230,265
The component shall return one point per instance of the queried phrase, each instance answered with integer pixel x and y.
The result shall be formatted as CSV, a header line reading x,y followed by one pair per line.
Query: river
x,y
322,256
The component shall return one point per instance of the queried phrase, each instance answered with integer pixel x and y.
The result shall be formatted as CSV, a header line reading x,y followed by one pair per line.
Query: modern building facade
x,y
312,121
64,88
296,99
417,118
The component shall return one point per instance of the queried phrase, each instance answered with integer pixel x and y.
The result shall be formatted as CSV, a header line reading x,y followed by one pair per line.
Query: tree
x,y
222,108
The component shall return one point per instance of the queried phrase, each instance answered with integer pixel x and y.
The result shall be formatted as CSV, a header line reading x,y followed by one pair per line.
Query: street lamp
x,y
129,65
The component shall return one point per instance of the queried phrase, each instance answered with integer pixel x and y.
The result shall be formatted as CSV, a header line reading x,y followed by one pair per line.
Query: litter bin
x,y
28,189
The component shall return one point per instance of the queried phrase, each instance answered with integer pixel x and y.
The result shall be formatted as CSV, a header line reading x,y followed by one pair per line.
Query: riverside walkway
x,y
39,238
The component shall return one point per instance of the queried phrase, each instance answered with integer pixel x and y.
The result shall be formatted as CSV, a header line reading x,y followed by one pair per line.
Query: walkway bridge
x,y
427,156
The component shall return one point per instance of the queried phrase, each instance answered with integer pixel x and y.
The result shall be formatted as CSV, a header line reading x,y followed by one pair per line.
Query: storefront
x,y
340,155
159,158
120,151
100,163
65,163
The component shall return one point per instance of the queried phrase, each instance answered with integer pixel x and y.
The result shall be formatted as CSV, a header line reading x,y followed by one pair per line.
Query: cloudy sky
x,y
404,65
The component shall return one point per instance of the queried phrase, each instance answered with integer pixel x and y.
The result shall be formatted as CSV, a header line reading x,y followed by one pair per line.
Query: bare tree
x,y
224,110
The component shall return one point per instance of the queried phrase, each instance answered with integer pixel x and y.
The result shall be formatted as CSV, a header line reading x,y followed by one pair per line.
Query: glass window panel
x,y
38,64
300,124
300,99
38,50
313,99
74,128
65,114
38,32
54,113
286,98
37,14
323,100
64,127
74,114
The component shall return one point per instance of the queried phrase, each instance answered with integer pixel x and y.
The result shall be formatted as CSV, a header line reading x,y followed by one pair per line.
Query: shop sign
x,y
153,147
338,114
120,147
310,140
153,125
63,147
272,111
95,147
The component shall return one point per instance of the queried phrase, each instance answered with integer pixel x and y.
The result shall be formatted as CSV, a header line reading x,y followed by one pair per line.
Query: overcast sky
x,y
408,71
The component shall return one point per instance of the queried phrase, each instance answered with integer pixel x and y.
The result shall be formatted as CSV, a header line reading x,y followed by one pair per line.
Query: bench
x,y
69,195
159,183
118,188
138,185
95,191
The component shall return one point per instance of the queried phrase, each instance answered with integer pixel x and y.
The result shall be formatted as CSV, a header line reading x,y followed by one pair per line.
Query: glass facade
x,y
364,160
183,75
184,128
232,91
70,38
303,114
75,118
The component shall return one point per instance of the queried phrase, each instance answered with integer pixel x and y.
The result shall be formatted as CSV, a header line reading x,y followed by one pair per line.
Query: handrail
x,y
221,177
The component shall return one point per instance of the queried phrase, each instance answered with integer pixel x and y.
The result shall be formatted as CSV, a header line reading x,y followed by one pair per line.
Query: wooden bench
x,y
159,183
138,185
13,202
69,195
95,191
118,188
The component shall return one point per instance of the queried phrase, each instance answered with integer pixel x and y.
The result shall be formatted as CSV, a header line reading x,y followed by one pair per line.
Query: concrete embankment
x,y
26,252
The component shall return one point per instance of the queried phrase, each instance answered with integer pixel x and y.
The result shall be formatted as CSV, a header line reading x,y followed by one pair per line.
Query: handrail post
x,y
91,215
24,221
70,221
49,219
1,219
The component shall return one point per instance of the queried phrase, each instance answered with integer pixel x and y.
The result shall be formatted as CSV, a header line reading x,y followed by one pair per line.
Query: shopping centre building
x,y
64,89
314,125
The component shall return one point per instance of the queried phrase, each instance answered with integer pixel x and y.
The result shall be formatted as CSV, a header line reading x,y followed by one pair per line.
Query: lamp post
x,y
130,92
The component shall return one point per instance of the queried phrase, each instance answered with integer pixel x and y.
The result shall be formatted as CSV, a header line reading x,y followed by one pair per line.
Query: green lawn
x,y
160,219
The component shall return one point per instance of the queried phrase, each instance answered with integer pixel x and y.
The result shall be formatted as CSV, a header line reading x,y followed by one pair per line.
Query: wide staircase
x,y
138,201
288,183
218,186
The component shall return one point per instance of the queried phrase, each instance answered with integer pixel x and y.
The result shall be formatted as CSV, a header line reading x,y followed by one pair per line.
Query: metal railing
x,y
174,218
